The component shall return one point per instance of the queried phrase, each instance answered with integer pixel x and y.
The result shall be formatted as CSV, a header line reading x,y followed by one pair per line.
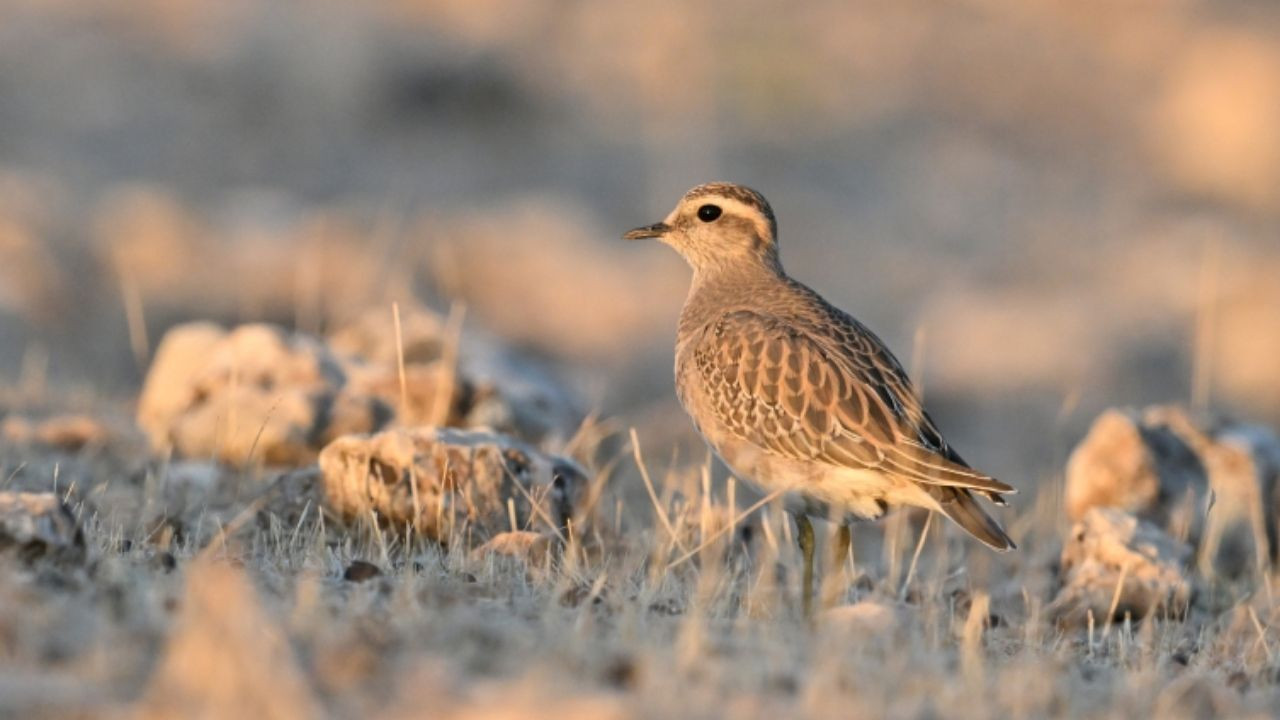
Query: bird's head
x,y
719,226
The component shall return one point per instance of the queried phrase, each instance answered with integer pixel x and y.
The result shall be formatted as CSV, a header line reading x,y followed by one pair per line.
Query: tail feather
x,y
959,505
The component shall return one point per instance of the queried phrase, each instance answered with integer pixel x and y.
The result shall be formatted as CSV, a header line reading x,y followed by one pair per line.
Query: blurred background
x,y
1046,207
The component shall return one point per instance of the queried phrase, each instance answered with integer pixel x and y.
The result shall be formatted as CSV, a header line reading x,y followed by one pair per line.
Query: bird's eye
x,y
708,213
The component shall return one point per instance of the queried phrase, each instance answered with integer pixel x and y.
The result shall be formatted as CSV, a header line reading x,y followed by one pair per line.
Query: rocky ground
x,y
282,532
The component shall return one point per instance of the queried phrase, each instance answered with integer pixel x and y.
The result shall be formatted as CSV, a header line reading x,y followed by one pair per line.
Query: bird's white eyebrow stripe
x,y
744,195
735,207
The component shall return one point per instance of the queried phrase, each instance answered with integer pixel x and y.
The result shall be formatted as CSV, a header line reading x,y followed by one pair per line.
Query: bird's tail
x,y
959,505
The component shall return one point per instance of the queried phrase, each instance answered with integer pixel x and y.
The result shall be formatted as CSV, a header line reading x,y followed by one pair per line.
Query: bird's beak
x,y
648,231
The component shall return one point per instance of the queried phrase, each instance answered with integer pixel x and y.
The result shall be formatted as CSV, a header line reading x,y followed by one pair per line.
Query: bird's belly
x,y
817,488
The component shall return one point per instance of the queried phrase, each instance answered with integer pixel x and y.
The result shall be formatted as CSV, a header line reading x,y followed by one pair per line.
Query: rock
x,y
371,336
486,385
432,393
1213,481
254,393
1239,534
360,570
167,391
70,433
529,546
37,525
1116,560
1141,467
449,479
260,394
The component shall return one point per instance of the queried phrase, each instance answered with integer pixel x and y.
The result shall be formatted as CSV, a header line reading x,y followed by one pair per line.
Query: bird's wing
x,y
845,401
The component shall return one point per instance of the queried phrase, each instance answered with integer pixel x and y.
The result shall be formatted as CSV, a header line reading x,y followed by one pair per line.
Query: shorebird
x,y
795,395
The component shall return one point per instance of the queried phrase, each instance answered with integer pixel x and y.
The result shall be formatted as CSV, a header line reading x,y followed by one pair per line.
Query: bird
x,y
796,396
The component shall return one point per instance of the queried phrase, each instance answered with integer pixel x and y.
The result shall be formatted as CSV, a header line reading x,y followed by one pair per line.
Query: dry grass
x,y
240,613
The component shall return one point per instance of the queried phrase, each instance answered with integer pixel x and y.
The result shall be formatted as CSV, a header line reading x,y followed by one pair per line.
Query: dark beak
x,y
647,232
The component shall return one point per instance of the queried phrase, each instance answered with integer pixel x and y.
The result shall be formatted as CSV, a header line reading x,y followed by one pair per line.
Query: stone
x,y
253,394
1115,564
371,336
431,394
524,545
432,391
39,525
258,394
167,391
441,480
1209,480
1140,467
1239,534
484,384
70,433
361,570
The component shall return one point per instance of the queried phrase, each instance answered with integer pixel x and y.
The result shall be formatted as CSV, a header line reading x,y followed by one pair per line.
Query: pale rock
x,y
430,394
1115,564
472,381
440,479
71,433
1211,481
167,391
260,394
431,391
253,394
371,336
1243,463
524,545
1140,467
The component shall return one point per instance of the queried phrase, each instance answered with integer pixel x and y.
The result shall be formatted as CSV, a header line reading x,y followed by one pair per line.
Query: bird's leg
x,y
805,536
844,541
836,582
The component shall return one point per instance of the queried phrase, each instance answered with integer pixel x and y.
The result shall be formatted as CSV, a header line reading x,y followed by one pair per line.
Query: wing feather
x,y
846,403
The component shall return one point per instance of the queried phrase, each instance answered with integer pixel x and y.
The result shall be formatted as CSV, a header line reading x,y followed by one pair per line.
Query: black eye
x,y
709,213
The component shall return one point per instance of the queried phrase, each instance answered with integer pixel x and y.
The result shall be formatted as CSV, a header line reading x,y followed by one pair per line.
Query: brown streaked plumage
x,y
792,392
